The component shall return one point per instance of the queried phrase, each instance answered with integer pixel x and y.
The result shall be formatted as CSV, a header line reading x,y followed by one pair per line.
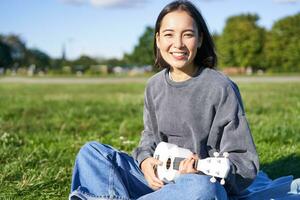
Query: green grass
x,y
42,128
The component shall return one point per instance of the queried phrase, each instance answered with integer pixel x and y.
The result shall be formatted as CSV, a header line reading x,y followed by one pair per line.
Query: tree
x,y
241,42
215,37
40,59
282,49
143,52
17,49
5,55
82,63
112,62
85,61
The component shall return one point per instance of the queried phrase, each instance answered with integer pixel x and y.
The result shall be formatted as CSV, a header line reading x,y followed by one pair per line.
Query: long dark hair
x,y
206,54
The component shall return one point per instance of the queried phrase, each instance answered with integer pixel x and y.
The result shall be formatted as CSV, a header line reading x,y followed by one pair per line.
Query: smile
x,y
179,55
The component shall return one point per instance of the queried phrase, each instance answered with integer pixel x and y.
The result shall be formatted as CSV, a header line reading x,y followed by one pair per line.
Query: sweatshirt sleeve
x,y
147,142
230,133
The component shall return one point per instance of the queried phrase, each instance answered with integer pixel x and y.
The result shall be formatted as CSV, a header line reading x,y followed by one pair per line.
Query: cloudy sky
x,y
109,28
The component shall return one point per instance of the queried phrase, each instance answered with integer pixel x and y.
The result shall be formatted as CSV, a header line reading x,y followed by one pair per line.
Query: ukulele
x,y
171,155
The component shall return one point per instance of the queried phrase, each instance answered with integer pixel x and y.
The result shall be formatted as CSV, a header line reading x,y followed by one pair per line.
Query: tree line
x,y
14,54
242,43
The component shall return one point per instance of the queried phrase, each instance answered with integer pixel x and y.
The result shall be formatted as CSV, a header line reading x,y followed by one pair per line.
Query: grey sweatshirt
x,y
204,114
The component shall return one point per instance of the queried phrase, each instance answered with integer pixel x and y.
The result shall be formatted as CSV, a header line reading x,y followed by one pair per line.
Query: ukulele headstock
x,y
217,166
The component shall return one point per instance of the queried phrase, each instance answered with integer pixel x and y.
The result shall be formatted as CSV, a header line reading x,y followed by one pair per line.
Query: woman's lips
x,y
179,55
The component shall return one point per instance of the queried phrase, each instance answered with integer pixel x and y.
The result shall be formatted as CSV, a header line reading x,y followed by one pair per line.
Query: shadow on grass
x,y
289,165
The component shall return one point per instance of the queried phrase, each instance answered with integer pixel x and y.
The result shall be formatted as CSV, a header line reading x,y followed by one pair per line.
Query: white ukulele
x,y
171,155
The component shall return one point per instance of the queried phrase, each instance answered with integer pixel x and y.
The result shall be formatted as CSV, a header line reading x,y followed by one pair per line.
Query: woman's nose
x,y
178,43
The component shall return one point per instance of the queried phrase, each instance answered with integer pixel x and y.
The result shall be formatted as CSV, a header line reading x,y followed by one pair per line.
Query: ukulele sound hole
x,y
168,164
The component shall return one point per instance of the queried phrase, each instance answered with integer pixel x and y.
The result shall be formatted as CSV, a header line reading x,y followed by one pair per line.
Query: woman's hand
x,y
187,165
147,167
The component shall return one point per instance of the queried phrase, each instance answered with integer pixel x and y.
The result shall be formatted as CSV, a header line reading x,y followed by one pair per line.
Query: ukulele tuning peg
x,y
226,154
213,179
216,154
222,182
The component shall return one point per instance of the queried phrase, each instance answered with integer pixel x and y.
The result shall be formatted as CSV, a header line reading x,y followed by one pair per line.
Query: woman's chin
x,y
179,66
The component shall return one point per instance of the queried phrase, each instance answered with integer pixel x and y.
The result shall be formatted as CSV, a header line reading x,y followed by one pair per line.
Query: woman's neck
x,y
179,75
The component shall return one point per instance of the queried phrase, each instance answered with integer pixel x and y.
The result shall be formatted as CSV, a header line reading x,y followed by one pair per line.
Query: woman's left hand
x,y
187,165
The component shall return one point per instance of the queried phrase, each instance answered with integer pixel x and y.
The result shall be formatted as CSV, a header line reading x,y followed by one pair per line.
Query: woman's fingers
x,y
190,166
187,165
194,156
149,173
155,184
182,165
149,164
153,181
153,177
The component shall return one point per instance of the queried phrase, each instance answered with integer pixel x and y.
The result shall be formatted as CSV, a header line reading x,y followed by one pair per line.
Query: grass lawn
x,y
42,128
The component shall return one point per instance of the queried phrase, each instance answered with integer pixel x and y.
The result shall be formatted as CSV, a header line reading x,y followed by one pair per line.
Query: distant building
x,y
234,70
99,69
2,70
119,70
140,70
31,70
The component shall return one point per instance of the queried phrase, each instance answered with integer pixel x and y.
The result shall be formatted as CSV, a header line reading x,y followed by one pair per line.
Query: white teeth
x,y
178,53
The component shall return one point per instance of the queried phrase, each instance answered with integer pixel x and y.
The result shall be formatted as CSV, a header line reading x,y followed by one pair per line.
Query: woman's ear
x,y
157,40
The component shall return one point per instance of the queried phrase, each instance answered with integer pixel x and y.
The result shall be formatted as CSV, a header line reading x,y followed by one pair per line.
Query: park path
x,y
80,80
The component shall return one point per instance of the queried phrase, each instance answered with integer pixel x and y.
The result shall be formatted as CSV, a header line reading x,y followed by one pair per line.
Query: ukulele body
x,y
171,155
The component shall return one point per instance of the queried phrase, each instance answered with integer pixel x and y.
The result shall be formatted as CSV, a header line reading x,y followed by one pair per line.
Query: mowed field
x,y
42,127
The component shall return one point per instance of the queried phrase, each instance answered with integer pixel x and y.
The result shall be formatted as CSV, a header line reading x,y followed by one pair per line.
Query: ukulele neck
x,y
177,161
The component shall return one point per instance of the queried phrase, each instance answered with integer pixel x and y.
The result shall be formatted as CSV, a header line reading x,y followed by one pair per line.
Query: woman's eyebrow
x,y
167,30
186,30
191,30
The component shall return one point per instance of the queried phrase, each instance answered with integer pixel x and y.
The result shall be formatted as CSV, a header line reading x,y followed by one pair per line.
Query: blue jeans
x,y
102,172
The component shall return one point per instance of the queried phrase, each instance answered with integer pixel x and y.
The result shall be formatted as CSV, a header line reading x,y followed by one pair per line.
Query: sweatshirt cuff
x,y
142,156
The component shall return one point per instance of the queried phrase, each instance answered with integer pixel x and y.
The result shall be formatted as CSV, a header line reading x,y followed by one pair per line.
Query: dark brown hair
x,y
206,55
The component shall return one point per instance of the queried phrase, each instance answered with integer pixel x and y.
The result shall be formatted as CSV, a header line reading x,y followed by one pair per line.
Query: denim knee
x,y
200,187
95,148
93,145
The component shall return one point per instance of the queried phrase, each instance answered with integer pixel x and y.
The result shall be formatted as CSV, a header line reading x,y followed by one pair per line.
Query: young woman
x,y
189,104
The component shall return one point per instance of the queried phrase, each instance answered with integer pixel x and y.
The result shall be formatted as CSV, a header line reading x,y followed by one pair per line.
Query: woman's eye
x,y
189,35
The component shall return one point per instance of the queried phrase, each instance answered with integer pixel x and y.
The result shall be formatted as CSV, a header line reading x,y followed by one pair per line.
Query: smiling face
x,y
178,39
